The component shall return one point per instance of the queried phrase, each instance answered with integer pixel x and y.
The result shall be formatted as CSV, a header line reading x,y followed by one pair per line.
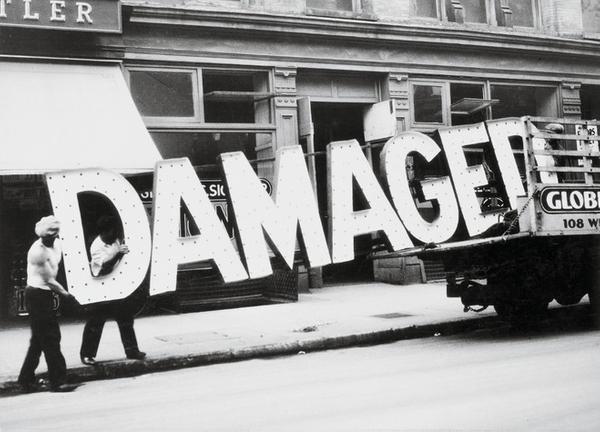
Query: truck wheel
x,y
521,312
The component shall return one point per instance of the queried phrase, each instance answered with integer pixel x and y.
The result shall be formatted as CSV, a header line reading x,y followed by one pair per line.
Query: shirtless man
x,y
43,259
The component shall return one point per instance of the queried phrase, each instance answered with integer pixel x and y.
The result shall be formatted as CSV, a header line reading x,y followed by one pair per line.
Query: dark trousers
x,y
45,337
92,333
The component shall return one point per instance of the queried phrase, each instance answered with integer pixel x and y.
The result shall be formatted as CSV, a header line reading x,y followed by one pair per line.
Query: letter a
x,y
346,161
175,180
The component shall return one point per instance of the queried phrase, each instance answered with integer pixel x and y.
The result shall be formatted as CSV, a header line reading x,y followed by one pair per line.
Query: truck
x,y
547,247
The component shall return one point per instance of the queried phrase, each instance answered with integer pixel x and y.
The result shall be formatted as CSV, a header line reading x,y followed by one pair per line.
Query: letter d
x,y
130,272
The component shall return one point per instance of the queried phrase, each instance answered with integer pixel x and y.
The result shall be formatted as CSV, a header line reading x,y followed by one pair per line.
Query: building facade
x,y
212,76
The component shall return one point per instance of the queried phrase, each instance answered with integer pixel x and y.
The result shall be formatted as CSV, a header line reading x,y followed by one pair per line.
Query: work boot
x,y
136,355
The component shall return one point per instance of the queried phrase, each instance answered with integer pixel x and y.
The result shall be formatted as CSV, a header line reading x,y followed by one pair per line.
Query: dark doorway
x,y
338,122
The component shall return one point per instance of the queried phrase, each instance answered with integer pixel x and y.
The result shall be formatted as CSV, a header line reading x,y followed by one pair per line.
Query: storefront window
x,y
199,96
424,8
427,100
591,16
467,105
520,100
335,5
163,93
203,148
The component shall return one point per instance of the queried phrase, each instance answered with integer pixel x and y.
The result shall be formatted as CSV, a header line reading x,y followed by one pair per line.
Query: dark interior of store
x,y
337,122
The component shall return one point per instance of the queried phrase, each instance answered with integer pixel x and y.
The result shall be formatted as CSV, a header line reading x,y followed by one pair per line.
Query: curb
x,y
130,368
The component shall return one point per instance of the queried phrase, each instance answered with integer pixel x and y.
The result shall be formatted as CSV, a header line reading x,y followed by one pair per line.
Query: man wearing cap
x,y
43,259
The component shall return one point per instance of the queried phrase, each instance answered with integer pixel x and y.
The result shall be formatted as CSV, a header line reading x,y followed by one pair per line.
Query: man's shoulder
x,y
38,251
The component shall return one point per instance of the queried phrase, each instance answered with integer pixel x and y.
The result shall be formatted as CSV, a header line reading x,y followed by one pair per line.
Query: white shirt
x,y
101,253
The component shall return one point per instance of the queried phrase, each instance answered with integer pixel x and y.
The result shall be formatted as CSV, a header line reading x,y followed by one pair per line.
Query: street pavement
x,y
327,318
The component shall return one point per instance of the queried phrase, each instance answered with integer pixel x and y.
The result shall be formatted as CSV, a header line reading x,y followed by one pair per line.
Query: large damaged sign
x,y
287,218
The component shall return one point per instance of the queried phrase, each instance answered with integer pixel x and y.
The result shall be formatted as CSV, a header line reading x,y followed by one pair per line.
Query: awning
x,y
70,116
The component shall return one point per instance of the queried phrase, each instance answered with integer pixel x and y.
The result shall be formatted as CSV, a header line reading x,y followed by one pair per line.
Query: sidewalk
x,y
331,317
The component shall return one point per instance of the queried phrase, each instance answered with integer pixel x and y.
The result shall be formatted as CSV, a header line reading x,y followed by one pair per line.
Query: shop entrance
x,y
337,122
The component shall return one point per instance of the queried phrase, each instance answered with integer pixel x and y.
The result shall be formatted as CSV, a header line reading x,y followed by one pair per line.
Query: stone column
x,y
286,116
396,89
571,100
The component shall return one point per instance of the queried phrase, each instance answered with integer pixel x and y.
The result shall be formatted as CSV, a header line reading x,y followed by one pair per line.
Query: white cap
x,y
46,224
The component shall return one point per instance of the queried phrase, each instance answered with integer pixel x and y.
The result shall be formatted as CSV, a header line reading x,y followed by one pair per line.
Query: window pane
x,y
591,15
203,148
233,97
428,104
343,5
516,101
522,13
474,11
423,8
162,94
459,91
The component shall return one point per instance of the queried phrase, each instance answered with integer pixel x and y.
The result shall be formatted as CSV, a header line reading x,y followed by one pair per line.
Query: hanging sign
x,y
101,16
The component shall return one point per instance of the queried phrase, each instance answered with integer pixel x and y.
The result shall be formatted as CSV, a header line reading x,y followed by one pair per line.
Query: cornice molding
x,y
361,31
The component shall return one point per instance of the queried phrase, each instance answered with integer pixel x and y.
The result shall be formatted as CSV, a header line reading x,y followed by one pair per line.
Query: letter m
x,y
258,217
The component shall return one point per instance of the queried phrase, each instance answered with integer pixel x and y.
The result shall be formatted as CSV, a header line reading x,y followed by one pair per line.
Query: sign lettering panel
x,y
102,16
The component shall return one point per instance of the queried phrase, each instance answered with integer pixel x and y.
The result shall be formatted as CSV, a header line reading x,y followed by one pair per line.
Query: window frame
x,y
536,16
491,16
196,85
197,123
429,126
487,94
557,105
